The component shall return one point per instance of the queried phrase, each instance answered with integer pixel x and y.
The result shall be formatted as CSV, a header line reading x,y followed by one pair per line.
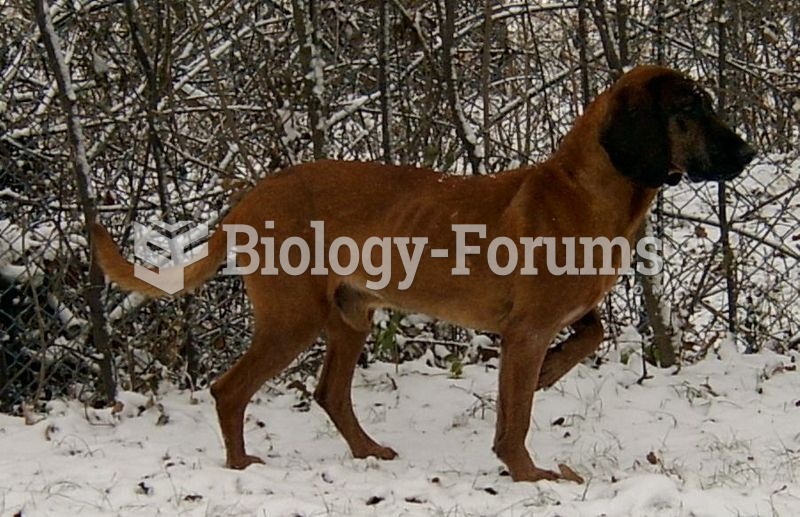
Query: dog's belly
x,y
480,305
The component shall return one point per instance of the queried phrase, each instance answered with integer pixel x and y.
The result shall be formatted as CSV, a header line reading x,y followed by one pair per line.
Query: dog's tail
x,y
119,270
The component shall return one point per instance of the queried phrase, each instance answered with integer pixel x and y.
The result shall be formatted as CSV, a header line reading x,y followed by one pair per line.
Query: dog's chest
x,y
592,297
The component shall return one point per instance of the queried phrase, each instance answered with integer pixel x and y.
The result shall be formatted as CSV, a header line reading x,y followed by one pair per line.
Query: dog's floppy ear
x,y
635,136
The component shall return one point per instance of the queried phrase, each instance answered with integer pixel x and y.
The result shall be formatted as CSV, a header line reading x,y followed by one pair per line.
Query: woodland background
x,y
184,104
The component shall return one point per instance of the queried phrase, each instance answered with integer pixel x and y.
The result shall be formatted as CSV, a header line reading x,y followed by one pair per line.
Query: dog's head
x,y
662,125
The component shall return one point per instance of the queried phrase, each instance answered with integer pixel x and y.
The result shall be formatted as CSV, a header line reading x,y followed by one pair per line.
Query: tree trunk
x,y
486,62
463,128
586,92
307,26
86,194
663,346
383,81
727,252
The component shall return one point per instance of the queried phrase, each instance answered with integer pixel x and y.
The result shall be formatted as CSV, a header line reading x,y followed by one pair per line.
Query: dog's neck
x,y
602,184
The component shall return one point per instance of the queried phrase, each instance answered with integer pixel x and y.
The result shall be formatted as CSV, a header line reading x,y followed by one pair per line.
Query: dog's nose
x,y
746,153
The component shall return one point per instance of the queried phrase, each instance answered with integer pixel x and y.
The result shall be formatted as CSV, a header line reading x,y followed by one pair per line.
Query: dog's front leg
x,y
521,356
560,360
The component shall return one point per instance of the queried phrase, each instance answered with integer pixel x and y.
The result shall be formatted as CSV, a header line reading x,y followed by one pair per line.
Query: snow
x,y
317,74
718,438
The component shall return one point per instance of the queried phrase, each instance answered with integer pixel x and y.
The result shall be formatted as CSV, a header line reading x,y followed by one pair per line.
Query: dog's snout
x,y
746,154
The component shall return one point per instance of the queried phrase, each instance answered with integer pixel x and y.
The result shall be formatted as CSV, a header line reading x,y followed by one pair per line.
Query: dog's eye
x,y
683,109
690,107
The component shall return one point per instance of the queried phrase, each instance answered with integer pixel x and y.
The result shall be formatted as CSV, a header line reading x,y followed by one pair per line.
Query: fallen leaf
x,y
375,499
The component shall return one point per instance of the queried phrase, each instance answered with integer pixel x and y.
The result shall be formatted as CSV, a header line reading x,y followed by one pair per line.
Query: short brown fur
x,y
577,192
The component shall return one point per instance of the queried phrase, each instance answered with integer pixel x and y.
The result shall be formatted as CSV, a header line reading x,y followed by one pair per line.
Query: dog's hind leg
x,y
333,392
281,333
559,360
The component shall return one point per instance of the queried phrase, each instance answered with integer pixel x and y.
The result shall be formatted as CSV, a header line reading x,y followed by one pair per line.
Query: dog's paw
x,y
377,451
243,462
535,474
569,474
385,453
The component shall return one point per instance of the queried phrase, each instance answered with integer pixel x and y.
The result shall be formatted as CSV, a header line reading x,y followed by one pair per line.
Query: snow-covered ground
x,y
721,437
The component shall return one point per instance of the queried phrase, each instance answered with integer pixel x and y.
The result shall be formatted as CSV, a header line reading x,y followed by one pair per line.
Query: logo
x,y
165,247
164,251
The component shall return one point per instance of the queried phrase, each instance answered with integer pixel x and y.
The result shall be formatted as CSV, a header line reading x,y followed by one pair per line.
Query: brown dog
x,y
648,129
